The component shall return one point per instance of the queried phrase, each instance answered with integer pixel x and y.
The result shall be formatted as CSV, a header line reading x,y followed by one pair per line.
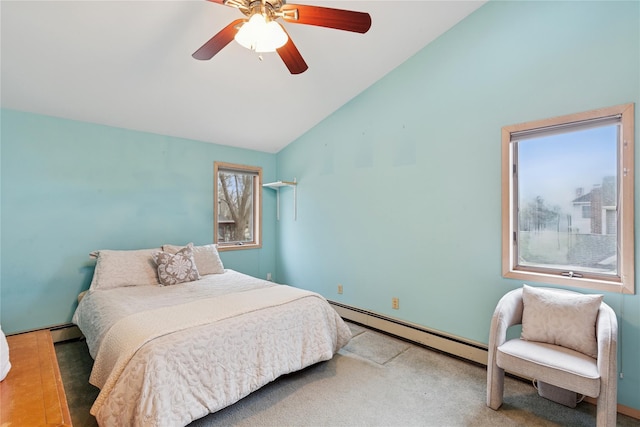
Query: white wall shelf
x,y
277,185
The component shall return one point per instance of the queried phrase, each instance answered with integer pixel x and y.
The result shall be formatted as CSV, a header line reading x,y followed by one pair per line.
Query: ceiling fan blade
x,y
347,20
292,58
218,42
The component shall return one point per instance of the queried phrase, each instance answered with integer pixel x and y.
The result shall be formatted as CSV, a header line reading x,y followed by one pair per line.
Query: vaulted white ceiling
x,y
128,64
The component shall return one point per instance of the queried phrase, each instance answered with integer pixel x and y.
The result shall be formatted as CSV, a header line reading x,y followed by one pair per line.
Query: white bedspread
x,y
220,351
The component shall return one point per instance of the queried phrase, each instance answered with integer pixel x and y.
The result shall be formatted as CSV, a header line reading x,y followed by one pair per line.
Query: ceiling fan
x,y
260,31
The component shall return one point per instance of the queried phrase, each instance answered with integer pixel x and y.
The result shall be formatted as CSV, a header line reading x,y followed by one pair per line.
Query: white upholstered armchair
x,y
555,345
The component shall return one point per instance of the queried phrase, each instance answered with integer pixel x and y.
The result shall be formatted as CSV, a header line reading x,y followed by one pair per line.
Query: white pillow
x,y
5,364
124,268
561,318
207,258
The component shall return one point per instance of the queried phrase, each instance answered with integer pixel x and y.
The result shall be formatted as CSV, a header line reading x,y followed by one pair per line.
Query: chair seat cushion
x,y
552,364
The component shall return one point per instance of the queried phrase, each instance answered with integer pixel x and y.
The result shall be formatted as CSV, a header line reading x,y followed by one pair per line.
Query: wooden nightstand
x,y
32,394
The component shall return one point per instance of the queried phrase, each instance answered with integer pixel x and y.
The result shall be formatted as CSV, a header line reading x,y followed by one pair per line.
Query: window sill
x,y
236,247
574,282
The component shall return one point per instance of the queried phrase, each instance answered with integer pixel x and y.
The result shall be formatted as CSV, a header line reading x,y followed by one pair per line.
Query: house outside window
x,y
568,200
237,206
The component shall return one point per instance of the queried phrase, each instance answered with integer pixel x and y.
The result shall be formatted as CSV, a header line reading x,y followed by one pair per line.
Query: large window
x,y
237,206
567,200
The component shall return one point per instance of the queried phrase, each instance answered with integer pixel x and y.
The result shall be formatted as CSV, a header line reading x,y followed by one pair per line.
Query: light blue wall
x,y
399,191
69,188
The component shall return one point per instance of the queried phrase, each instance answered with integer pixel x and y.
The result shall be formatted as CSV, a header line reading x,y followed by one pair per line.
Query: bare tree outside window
x,y
237,205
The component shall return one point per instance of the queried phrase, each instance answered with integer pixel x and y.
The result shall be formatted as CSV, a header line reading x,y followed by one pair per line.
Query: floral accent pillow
x,y
207,259
176,268
562,318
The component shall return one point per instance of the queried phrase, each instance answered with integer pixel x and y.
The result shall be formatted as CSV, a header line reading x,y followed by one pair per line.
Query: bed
x,y
167,353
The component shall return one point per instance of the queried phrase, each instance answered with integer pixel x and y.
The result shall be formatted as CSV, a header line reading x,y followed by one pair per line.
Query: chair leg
x,y
606,410
495,386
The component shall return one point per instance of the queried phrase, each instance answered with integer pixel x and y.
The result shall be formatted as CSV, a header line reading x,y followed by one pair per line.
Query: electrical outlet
x,y
269,276
339,288
395,303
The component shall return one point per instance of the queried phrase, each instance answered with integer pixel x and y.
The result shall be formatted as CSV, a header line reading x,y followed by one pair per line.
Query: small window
x,y
237,206
567,200
586,211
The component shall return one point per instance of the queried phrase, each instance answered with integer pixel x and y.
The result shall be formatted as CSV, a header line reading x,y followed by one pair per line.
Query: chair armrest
x,y
508,312
607,337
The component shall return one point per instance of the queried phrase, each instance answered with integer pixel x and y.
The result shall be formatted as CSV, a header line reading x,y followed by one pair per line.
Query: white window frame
x,y
624,282
257,205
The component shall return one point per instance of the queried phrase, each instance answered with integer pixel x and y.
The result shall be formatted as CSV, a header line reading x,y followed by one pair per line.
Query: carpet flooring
x,y
375,380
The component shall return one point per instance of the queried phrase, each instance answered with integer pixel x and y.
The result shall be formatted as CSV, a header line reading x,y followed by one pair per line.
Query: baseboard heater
x,y
447,343
65,332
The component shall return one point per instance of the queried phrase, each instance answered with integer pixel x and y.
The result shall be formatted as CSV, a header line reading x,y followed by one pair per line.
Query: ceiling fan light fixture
x,y
261,35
